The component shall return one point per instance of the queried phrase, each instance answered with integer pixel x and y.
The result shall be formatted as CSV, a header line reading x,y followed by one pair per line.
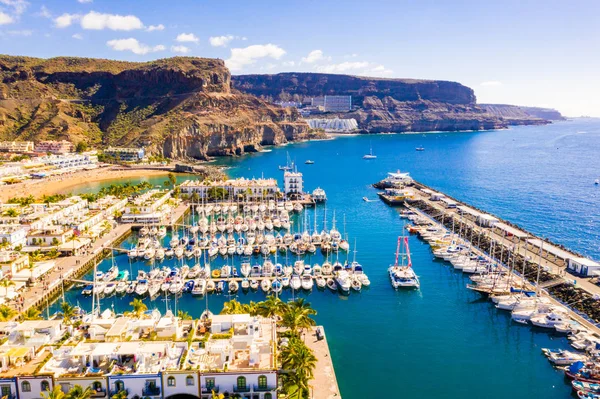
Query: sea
x,y
442,341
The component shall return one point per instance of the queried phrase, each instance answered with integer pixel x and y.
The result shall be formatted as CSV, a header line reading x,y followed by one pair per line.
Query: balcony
x,y
264,388
151,391
98,393
239,389
206,389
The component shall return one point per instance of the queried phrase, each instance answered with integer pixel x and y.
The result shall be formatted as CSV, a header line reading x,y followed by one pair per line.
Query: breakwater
x,y
538,260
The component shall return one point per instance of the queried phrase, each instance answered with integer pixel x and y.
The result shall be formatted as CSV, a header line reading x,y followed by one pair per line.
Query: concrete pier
x,y
324,384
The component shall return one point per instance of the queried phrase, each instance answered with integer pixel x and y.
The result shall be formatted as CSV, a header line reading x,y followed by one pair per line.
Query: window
x,y
241,382
6,391
97,386
45,386
262,382
119,386
210,383
268,396
25,386
171,381
189,381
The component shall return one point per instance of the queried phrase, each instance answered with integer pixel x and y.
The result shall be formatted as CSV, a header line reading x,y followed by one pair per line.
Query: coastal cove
x,y
442,341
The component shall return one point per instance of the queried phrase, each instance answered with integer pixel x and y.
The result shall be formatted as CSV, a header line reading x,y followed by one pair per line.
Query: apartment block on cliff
x,y
55,147
333,103
126,154
16,146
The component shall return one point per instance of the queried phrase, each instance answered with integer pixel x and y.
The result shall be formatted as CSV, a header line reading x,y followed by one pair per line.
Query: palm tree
x,y
120,395
217,395
301,362
6,283
6,313
55,393
68,312
298,316
77,392
139,307
184,315
273,306
32,313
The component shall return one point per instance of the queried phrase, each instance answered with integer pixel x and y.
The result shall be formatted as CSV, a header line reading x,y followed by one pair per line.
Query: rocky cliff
x,y
515,113
179,107
387,105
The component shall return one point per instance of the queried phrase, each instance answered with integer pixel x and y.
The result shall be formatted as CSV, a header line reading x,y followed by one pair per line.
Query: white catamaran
x,y
402,275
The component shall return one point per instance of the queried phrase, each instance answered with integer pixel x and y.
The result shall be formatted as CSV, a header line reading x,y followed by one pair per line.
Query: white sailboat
x,y
370,155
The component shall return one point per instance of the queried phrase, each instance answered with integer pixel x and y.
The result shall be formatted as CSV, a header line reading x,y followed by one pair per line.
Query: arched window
x,y
189,381
25,386
262,382
171,381
119,386
97,386
45,386
241,382
268,396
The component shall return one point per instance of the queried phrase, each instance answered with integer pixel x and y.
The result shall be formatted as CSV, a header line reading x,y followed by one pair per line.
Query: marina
x,y
376,228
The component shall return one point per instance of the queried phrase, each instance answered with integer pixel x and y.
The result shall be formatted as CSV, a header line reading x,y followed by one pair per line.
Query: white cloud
x,y
180,49
220,41
24,32
85,1
98,21
44,12
5,19
491,83
343,67
187,38
77,36
18,6
152,28
313,56
241,57
65,20
288,63
133,45
356,67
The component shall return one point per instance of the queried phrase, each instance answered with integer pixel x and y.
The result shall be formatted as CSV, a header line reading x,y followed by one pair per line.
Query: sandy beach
x,y
60,184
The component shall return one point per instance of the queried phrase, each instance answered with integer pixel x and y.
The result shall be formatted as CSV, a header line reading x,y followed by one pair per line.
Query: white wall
x,y
36,386
181,386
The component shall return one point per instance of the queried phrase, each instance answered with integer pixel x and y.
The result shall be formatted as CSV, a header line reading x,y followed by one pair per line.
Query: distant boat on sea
x,y
420,148
370,155
597,181
289,164
309,162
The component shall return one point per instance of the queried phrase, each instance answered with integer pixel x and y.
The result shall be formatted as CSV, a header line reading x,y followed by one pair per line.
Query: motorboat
x,y
307,282
254,284
549,320
233,286
199,287
320,281
343,281
560,357
331,284
265,285
210,286
141,288
245,284
295,282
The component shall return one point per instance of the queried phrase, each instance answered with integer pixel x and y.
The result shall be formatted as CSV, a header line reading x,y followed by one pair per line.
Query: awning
x,y
18,352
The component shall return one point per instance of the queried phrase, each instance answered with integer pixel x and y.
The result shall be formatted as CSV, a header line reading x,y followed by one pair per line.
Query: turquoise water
x,y
442,341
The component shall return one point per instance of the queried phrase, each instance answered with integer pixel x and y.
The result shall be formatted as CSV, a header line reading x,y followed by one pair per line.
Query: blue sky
x,y
542,53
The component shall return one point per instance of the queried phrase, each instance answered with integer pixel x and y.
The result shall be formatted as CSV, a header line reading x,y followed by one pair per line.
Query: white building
x,y
333,125
293,183
71,161
584,267
251,189
13,235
